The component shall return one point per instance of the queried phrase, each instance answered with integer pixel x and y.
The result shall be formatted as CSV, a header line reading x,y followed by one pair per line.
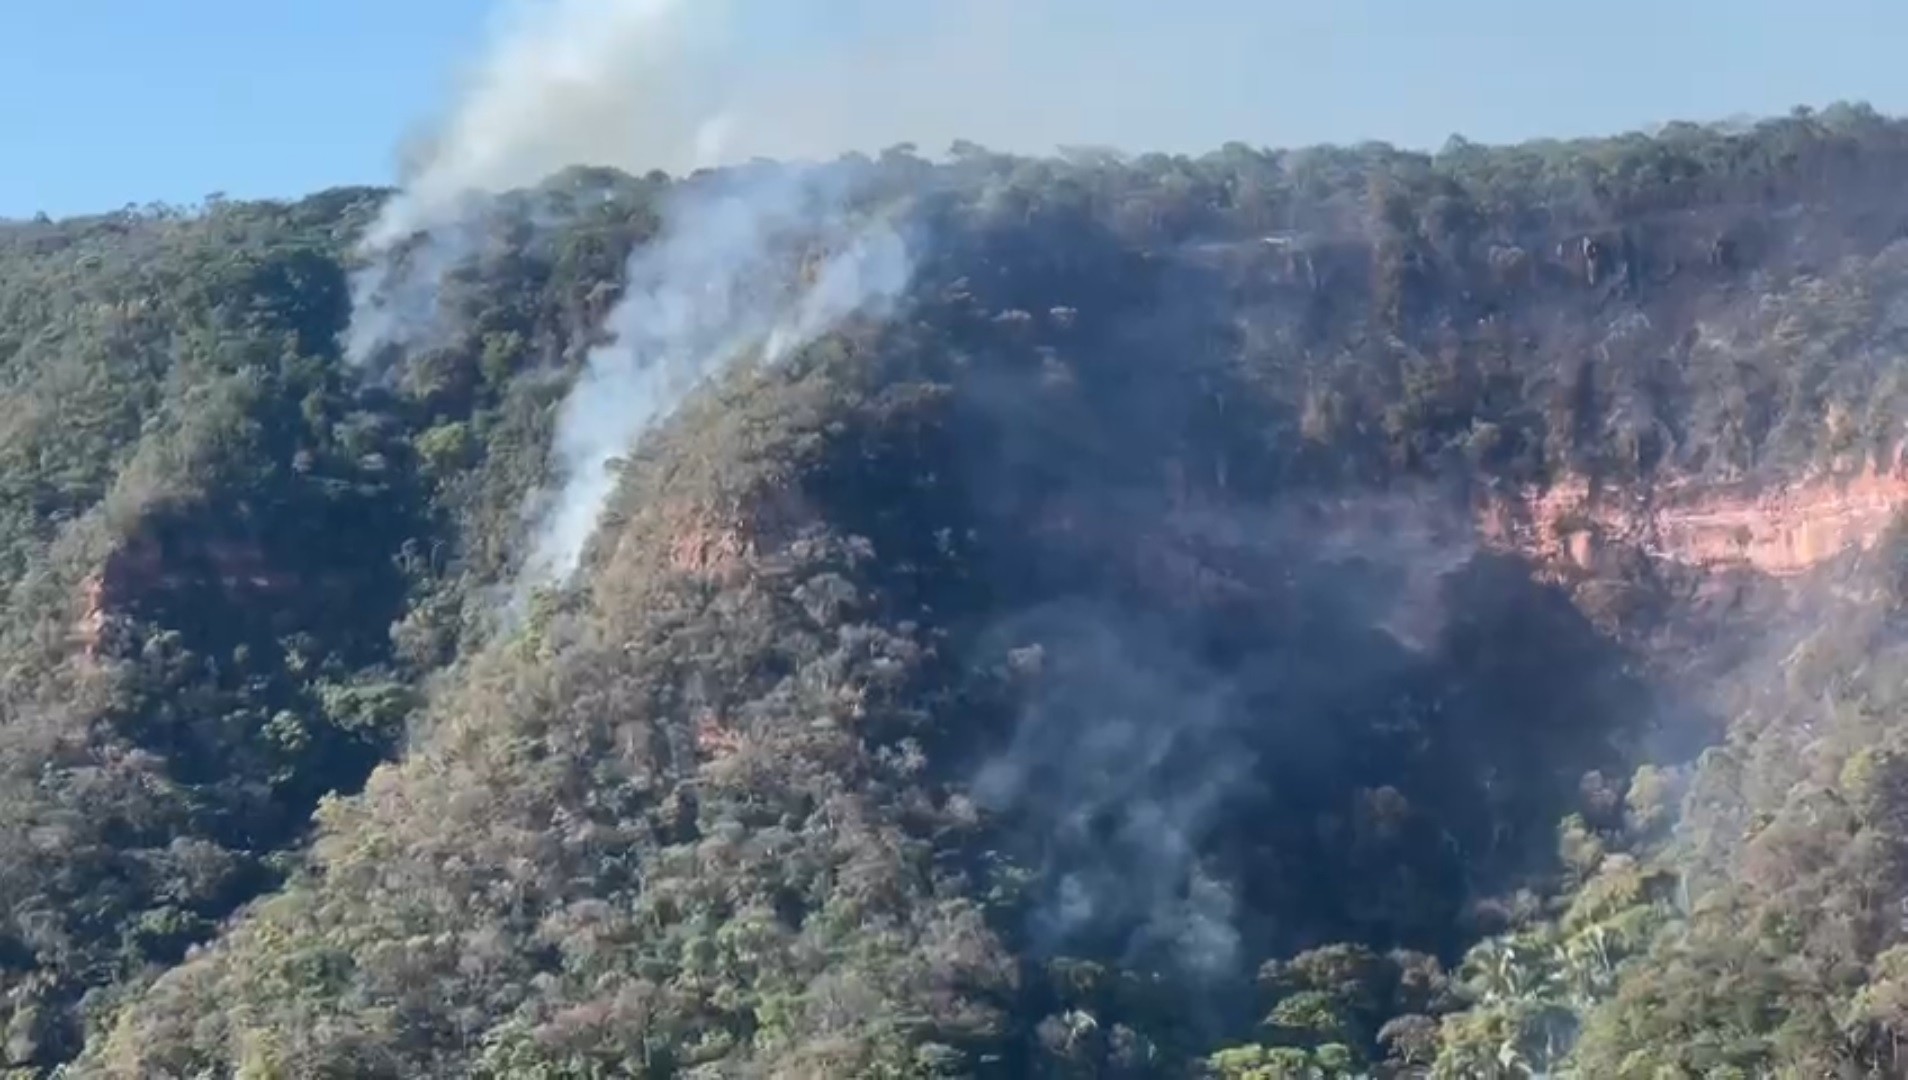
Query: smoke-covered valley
x,y
688,585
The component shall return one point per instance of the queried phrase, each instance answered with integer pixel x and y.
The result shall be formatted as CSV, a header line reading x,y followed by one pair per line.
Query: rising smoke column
x,y
708,292
678,85
565,82
632,84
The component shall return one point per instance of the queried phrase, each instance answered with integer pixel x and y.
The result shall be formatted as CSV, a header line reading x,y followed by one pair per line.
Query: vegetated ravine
x,y
1335,612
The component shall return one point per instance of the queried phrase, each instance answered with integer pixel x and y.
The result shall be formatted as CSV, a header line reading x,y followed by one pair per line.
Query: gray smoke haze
x,y
1132,749
1098,761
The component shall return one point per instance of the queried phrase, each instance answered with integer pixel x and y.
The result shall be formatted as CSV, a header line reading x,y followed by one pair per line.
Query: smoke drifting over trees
x,y
975,614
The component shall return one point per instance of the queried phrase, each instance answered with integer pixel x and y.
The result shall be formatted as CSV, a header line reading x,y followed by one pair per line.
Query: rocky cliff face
x,y
1779,529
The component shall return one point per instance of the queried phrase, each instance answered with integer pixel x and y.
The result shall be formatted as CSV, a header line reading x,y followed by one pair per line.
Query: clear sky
x,y
106,102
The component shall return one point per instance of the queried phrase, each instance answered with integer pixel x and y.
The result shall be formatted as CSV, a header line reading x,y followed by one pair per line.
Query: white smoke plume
x,y
705,294
394,295
566,82
630,84
676,85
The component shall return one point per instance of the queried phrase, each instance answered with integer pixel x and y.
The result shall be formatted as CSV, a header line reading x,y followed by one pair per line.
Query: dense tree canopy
x,y
1089,668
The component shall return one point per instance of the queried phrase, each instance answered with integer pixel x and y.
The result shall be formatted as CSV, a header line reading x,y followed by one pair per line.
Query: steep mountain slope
x,y
1256,615
212,531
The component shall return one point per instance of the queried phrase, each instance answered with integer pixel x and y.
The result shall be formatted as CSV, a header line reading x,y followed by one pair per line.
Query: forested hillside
x,y
1237,616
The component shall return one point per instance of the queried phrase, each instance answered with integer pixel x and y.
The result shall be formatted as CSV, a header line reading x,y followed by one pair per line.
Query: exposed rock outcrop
x,y
1779,529
146,569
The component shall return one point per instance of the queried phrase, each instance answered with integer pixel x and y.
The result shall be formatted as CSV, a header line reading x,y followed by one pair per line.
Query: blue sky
x,y
105,102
